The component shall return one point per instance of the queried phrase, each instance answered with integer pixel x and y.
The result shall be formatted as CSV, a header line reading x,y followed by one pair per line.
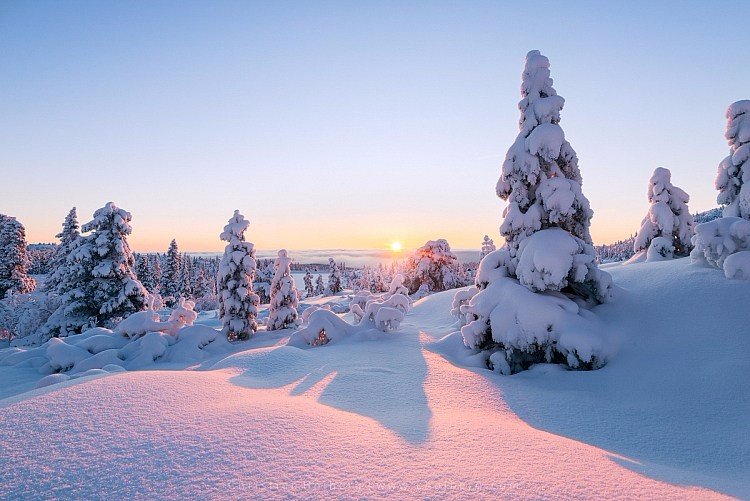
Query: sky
x,y
349,125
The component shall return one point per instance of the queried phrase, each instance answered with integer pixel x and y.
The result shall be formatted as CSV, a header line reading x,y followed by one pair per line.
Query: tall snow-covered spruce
x,y
238,304
334,278
733,178
171,282
14,263
532,290
100,285
68,241
668,227
284,298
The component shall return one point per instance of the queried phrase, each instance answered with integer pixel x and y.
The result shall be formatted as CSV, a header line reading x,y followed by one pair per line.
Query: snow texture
x,y
733,178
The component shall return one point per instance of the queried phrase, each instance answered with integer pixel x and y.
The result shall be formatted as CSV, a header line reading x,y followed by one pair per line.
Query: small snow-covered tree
x,y
320,288
434,267
667,217
144,272
68,241
156,272
186,277
733,178
263,278
487,246
14,277
309,288
238,307
334,278
284,298
171,282
101,284
531,291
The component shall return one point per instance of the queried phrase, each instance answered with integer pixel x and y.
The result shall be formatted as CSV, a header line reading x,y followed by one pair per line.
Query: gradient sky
x,y
349,124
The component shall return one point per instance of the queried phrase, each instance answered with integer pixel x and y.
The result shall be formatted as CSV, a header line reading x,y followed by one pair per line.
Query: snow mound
x,y
737,265
660,249
323,326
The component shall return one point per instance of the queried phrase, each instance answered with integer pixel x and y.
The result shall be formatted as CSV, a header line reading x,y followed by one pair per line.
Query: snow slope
x,y
387,415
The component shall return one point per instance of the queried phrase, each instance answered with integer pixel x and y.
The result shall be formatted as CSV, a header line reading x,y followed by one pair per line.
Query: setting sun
x,y
396,246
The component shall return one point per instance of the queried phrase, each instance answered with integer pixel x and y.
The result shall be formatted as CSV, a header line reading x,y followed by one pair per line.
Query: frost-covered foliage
x,y
68,241
238,303
309,288
540,178
718,240
529,308
171,281
434,267
487,246
284,297
733,178
320,288
22,316
14,277
334,278
668,217
100,286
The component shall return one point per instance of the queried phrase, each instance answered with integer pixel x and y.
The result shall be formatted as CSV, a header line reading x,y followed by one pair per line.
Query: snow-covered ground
x,y
400,415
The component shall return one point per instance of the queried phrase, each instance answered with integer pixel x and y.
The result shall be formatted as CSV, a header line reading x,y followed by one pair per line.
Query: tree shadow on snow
x,y
382,379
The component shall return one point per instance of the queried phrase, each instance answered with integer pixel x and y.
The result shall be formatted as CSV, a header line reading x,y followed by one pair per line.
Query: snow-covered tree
x,y
531,290
156,272
263,277
487,246
309,289
14,277
434,267
320,288
667,217
186,277
144,273
68,241
334,278
238,303
171,282
733,179
101,285
284,298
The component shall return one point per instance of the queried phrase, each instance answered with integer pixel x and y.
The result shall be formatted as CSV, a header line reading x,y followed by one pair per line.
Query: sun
x,y
396,246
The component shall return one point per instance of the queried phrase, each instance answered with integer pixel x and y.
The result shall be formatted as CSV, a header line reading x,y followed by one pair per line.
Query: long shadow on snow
x,y
374,374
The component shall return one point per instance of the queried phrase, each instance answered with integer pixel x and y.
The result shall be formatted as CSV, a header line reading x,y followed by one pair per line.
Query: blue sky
x,y
349,124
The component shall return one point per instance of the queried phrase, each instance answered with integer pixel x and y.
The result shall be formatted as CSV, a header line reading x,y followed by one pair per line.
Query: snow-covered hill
x,y
398,414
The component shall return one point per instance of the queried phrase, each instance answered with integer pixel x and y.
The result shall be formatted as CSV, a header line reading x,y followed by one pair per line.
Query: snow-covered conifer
x,y
531,291
309,289
14,277
434,267
101,285
263,277
733,178
487,246
334,278
284,298
68,241
238,303
144,273
156,272
667,217
171,282
320,288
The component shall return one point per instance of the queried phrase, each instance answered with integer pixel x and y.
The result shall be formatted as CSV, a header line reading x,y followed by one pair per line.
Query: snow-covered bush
x,y
529,305
461,299
397,286
733,178
660,249
487,246
207,302
668,217
238,304
14,263
22,316
434,267
320,289
388,319
334,278
325,322
284,298
716,240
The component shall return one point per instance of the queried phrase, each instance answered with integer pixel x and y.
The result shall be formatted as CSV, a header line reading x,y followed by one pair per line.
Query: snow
x,y
404,414
737,265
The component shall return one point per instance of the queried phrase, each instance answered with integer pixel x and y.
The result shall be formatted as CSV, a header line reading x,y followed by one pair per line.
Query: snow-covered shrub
x,y
14,262
22,316
207,302
668,217
733,178
487,246
528,308
462,298
238,304
397,286
388,319
716,240
334,278
305,315
660,249
435,267
737,265
321,320
284,297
